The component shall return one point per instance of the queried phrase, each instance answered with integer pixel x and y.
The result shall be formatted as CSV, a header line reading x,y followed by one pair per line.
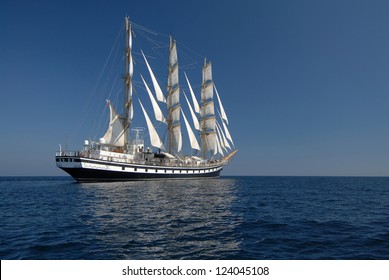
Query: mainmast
x,y
128,109
207,112
173,102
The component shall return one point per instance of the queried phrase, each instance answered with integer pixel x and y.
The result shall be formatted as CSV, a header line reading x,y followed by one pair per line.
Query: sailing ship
x,y
121,153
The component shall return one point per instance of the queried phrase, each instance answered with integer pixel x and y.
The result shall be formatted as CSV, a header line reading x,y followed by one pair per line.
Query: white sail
x,y
192,138
175,114
177,138
173,53
114,135
131,66
129,102
219,148
208,124
225,131
130,72
223,137
223,113
173,101
173,65
175,129
207,112
220,137
174,98
207,71
157,111
154,137
228,135
195,103
174,76
194,117
207,92
210,143
208,109
215,149
173,85
130,112
157,88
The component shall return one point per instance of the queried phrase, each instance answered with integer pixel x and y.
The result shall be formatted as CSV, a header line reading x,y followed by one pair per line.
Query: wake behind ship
x,y
121,153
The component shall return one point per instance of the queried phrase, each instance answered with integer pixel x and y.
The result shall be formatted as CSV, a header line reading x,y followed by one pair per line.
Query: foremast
x,y
128,106
173,101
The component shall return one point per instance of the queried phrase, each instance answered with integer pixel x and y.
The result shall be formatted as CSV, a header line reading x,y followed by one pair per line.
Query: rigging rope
x,y
188,60
88,104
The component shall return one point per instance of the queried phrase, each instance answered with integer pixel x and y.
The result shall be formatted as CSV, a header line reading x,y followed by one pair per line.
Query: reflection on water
x,y
161,219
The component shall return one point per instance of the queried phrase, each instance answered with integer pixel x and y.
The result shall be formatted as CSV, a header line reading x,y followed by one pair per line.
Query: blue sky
x,y
305,83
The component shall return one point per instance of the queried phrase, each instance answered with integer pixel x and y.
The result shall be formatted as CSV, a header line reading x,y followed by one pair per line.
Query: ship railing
x,y
91,155
67,153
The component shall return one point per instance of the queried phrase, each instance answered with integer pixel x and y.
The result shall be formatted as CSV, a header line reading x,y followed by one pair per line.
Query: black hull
x,y
93,175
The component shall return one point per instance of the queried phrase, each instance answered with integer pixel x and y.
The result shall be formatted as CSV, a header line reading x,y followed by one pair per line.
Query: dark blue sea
x,y
226,218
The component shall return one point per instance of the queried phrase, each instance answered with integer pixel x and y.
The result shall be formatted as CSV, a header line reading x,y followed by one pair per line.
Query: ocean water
x,y
226,218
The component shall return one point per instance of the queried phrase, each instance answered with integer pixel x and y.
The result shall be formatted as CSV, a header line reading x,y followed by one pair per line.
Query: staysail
x,y
195,103
157,88
223,138
192,138
157,111
228,135
219,144
154,137
226,132
194,117
115,132
223,113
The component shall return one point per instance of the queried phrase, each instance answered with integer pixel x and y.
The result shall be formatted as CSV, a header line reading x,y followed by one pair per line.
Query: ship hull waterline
x,y
85,169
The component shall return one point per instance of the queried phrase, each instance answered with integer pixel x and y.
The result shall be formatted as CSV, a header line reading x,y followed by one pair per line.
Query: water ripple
x,y
227,218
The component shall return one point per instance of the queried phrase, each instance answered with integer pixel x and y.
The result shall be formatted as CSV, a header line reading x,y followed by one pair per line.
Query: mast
x,y
207,112
128,109
173,102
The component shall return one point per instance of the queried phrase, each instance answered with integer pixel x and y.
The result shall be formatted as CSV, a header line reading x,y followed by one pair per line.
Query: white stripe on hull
x,y
83,168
